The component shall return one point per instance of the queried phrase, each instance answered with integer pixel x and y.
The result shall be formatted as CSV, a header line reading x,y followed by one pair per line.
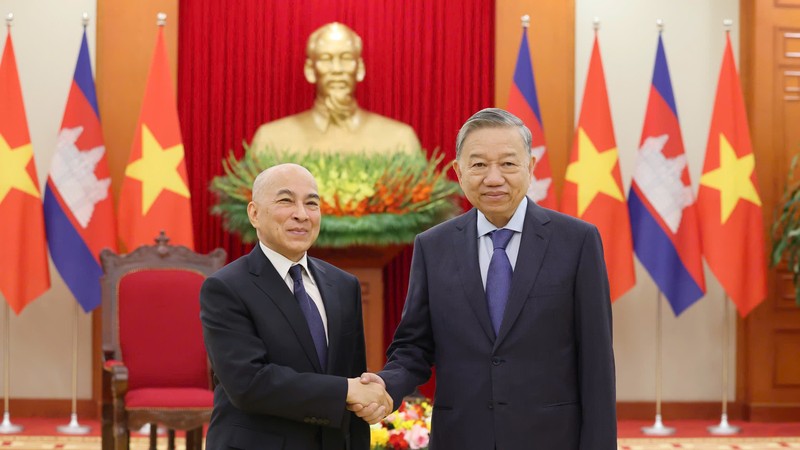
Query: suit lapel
x,y
532,248
266,278
333,310
465,245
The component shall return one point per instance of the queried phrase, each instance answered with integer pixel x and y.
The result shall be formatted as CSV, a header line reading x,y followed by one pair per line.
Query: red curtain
x,y
429,63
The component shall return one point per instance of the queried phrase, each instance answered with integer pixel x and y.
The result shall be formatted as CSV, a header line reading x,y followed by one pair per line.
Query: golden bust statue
x,y
335,123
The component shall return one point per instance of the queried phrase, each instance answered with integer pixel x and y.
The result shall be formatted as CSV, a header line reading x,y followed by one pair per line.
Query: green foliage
x,y
786,228
367,198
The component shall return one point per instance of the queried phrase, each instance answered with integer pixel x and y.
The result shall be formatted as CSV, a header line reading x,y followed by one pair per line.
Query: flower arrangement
x,y
407,428
366,199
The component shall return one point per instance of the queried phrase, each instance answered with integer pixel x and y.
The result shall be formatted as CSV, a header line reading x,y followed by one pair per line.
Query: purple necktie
x,y
311,312
498,277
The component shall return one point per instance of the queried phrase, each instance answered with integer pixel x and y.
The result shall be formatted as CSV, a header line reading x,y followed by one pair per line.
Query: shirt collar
x,y
323,120
515,223
282,264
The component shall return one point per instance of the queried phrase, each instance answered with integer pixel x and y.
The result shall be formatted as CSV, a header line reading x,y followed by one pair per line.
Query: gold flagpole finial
x,y
596,23
161,19
526,21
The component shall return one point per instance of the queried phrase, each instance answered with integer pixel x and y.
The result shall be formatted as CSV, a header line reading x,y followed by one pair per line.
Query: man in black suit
x,y
510,302
284,333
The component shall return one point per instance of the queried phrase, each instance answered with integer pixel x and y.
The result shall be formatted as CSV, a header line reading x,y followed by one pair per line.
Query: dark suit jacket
x,y
272,393
547,380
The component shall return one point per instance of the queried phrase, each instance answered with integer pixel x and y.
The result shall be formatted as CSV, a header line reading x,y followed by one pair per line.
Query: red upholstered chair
x,y
155,368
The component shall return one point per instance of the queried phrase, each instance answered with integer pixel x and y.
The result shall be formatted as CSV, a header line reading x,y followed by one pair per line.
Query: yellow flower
x,y
378,435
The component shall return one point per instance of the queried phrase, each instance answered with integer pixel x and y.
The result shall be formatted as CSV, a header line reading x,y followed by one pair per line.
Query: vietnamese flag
x,y
593,185
155,190
728,201
24,272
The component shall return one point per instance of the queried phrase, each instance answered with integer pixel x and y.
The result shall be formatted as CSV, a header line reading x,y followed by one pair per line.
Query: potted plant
x,y
786,228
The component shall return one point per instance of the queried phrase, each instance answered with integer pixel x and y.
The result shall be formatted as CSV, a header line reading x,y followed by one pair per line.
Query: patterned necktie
x,y
311,312
498,277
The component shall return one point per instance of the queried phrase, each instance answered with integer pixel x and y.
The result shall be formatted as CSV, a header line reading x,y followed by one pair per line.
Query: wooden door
x,y
769,338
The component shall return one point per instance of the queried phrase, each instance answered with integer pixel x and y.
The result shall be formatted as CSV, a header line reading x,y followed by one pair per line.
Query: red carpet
x,y
35,426
697,428
41,434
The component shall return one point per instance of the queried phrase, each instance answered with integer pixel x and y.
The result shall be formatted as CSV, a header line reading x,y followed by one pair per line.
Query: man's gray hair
x,y
493,118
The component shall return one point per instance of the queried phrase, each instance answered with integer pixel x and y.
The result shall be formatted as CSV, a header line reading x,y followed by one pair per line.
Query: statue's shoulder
x,y
301,120
379,120
283,131
390,132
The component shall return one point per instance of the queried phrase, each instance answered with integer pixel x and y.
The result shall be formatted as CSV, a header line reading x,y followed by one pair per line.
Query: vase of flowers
x,y
407,428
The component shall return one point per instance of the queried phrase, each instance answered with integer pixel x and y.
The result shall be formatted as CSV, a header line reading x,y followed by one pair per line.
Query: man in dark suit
x,y
284,332
510,302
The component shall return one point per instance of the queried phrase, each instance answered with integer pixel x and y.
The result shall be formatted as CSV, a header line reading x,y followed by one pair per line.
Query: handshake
x,y
368,399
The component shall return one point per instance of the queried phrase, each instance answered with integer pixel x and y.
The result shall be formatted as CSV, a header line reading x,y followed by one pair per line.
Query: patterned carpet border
x,y
715,443
75,443
141,443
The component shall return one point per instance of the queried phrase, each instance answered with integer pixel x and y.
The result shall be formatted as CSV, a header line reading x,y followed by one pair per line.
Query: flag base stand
x,y
7,427
658,428
74,427
724,428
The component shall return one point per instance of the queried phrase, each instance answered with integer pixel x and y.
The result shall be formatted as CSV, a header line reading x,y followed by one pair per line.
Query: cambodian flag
x,y
664,223
79,214
523,103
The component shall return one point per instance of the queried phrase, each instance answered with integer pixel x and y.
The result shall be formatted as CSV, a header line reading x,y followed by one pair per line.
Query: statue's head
x,y
333,62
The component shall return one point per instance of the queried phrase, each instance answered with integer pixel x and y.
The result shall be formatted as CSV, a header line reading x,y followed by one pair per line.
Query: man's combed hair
x,y
493,118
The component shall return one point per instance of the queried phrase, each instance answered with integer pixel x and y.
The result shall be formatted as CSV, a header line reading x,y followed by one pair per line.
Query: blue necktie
x,y
498,277
311,312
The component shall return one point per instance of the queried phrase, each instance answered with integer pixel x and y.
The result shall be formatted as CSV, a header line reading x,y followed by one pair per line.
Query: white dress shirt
x,y
282,265
485,246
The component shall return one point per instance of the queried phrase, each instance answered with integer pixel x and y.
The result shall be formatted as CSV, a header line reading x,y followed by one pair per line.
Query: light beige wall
x,y
694,42
47,37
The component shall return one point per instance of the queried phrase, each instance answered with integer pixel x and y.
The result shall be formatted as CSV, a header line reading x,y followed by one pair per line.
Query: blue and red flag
x,y
523,103
79,214
664,221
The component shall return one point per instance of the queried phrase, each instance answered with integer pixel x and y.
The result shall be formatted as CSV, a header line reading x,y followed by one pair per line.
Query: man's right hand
x,y
368,399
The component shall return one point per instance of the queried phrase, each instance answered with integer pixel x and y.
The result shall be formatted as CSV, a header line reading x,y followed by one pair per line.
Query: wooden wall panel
x,y
551,38
769,339
787,370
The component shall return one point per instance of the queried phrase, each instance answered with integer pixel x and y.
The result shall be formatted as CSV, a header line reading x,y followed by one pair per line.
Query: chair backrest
x,y
151,313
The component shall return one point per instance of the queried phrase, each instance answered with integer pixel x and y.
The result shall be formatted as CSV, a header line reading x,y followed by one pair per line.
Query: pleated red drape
x,y
429,63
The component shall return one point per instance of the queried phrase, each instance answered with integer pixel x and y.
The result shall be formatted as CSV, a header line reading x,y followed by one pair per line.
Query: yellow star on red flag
x,y
593,172
732,179
155,194
157,169
14,169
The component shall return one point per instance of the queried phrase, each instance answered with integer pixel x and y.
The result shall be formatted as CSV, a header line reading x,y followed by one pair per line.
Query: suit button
x,y
490,405
497,361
